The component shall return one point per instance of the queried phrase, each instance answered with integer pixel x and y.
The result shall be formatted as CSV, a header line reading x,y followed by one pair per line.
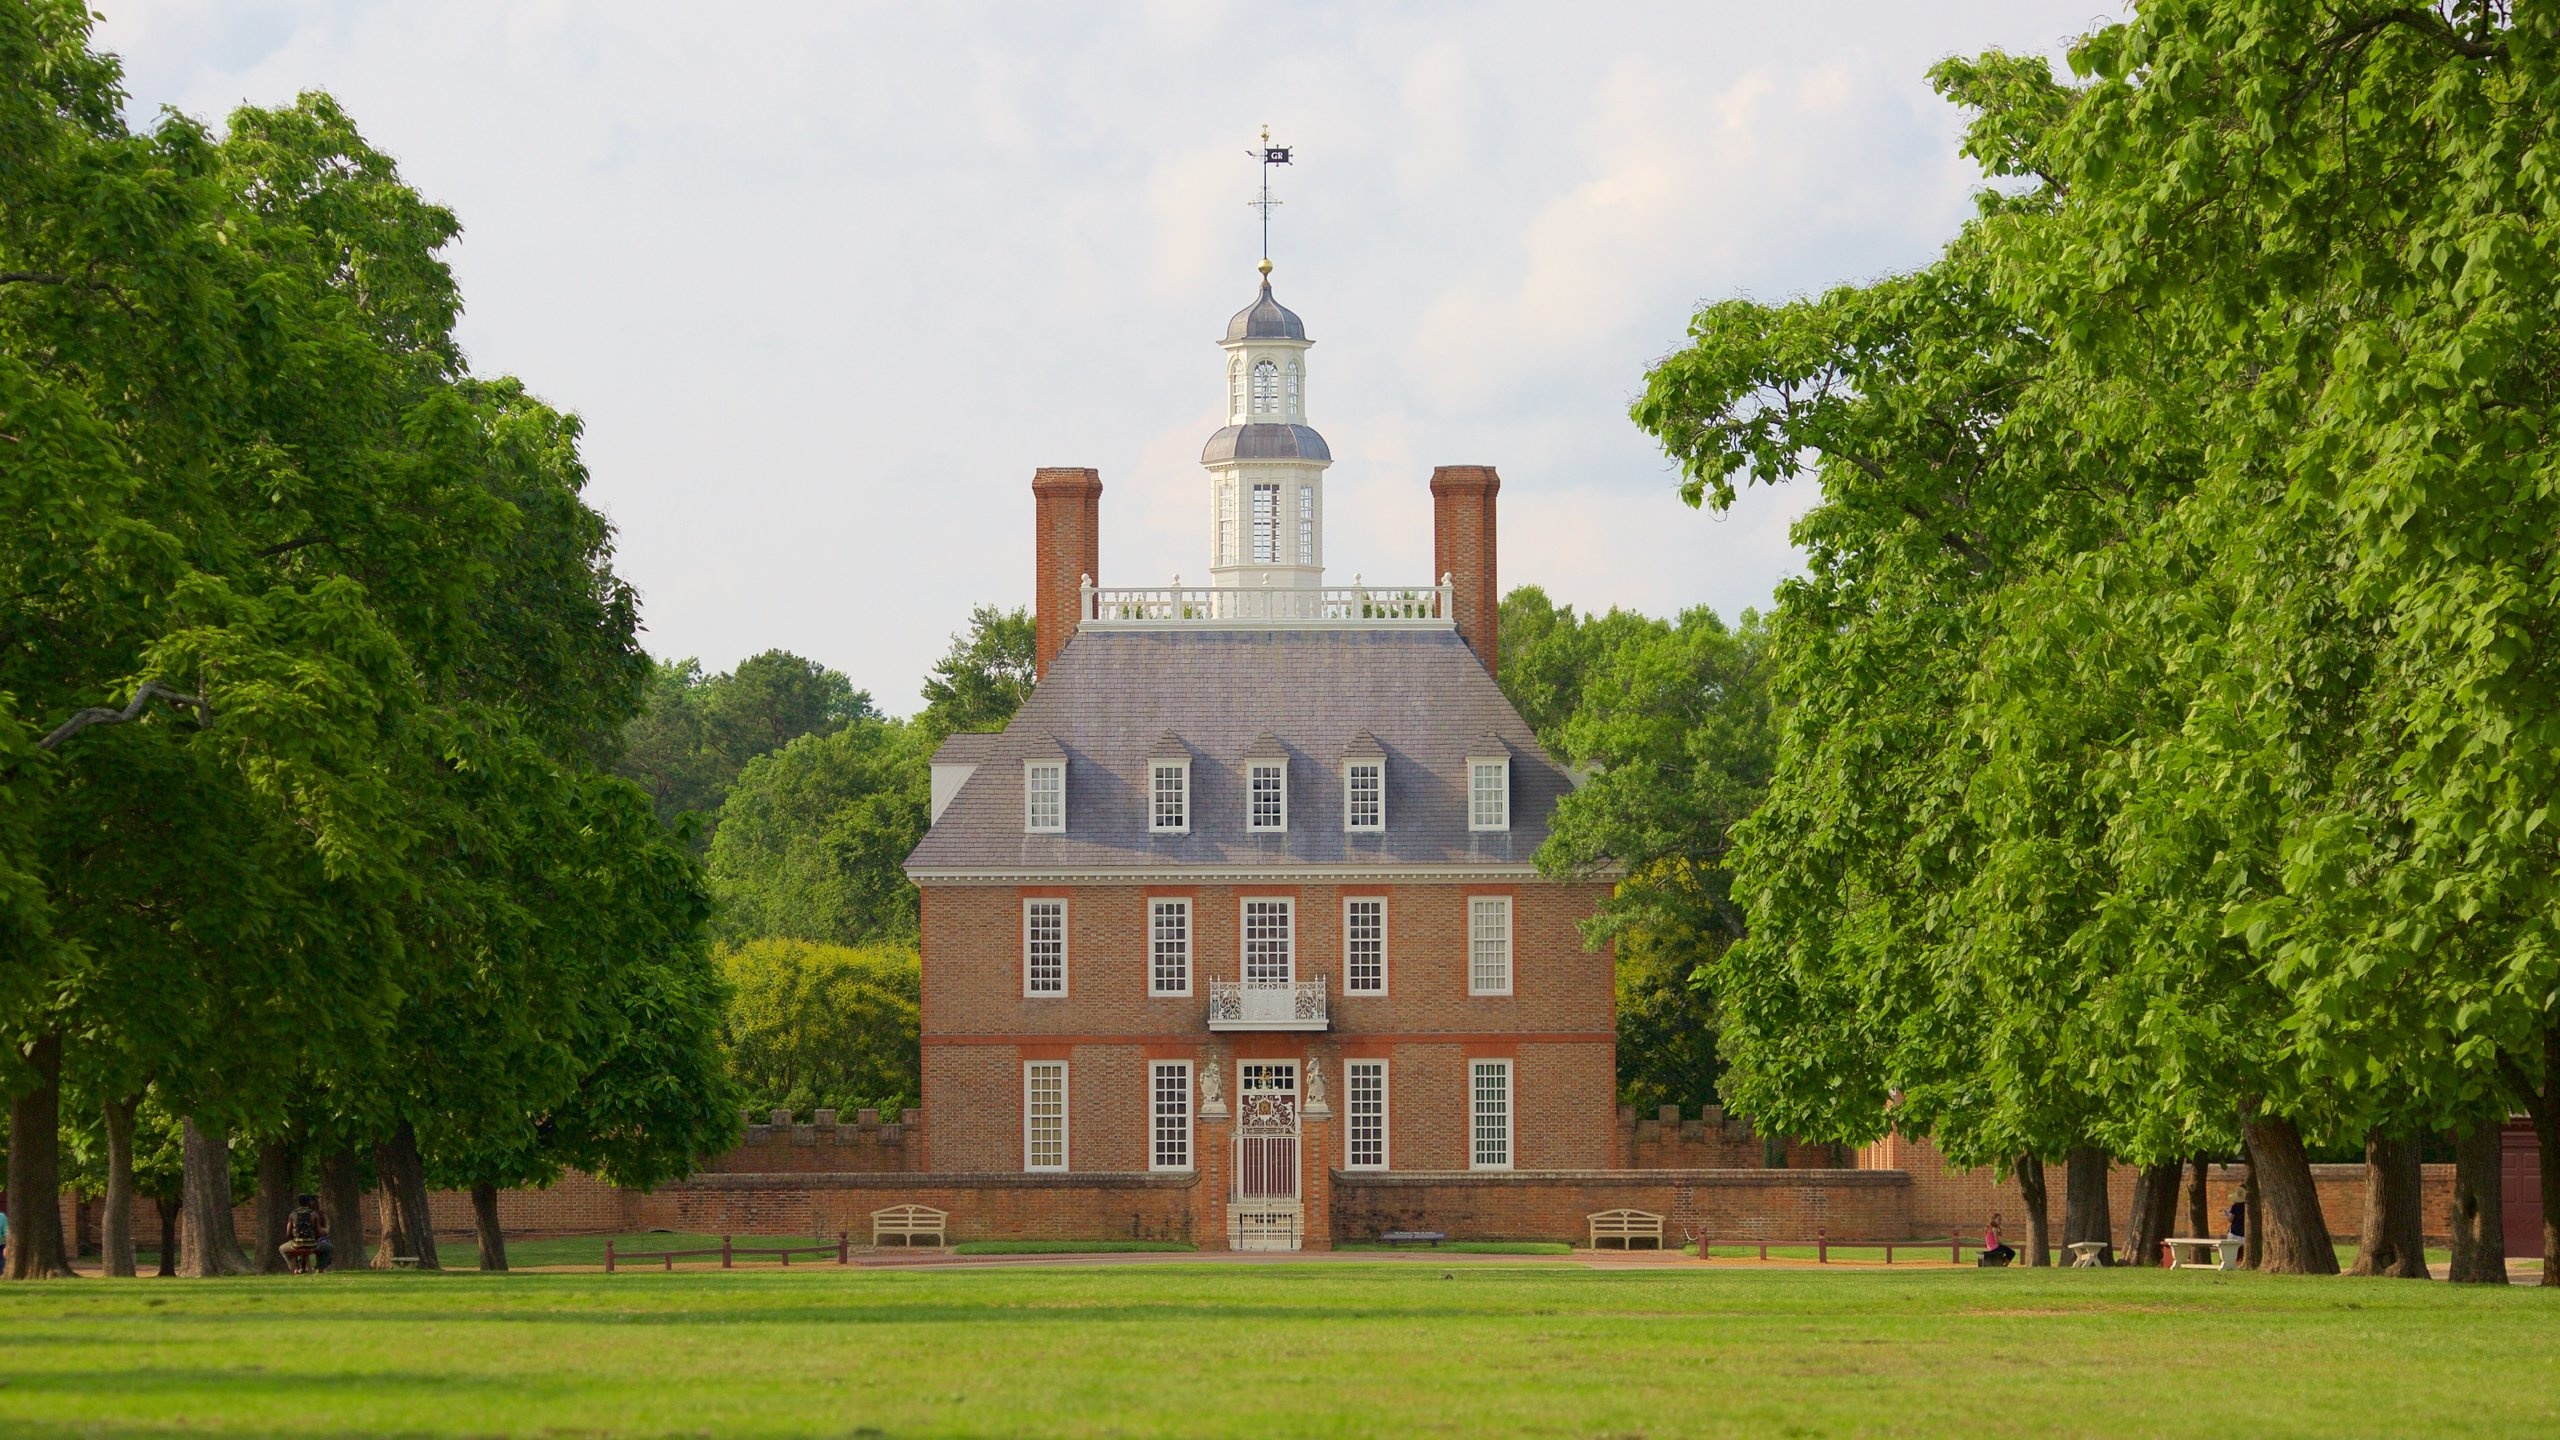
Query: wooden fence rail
x,y
1822,1245
730,1251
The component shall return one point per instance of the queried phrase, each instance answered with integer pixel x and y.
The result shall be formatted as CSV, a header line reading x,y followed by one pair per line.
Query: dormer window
x,y
1489,791
1266,785
1266,388
1044,797
1169,797
1364,794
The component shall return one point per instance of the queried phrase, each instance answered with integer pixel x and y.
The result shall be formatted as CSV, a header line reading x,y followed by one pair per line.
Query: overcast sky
x,y
827,281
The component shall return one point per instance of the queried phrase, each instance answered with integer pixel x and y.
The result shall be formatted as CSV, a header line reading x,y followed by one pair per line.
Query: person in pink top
x,y
1995,1251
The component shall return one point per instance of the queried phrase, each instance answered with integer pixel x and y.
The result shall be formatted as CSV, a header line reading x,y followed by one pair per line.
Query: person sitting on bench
x,y
306,1235
1995,1251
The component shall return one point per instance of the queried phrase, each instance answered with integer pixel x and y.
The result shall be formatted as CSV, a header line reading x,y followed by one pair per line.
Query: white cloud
x,y
828,280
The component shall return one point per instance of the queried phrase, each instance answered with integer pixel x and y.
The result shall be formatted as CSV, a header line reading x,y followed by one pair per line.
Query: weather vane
x,y
1270,155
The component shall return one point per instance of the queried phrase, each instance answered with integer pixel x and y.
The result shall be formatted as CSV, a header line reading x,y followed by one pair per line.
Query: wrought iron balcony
x,y
1267,1005
1233,607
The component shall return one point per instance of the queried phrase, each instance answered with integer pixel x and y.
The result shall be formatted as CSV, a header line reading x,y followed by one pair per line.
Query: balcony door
x,y
1265,1213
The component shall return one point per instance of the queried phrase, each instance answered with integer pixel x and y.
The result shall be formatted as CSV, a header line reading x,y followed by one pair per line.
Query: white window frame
x,y
1353,1072
1180,771
1033,772
1288,911
1350,970
1031,1070
1158,907
1486,1150
1169,1081
1253,770
1030,990
1480,910
1488,807
1351,769
1266,387
1265,553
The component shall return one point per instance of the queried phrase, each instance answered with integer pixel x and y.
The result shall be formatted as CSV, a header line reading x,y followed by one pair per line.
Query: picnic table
x,y
2206,1249
2089,1254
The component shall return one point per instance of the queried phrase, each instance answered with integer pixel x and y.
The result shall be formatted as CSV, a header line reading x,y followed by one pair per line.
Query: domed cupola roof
x,y
1266,319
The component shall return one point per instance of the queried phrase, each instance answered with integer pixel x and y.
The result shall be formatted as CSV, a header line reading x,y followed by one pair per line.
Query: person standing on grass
x,y
1994,1249
2238,1226
4,1232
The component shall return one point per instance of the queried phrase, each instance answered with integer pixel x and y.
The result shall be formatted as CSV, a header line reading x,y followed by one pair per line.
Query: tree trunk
x,y
206,1243
2039,1216
342,1200
170,1207
2479,1220
275,1206
2394,1241
406,1228
115,1241
2543,1104
2084,1201
2297,1238
35,1170
484,1219
2155,1211
2199,1209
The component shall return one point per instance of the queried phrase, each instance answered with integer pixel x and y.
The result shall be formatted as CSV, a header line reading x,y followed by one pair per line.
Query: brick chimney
x,y
1066,548
1462,548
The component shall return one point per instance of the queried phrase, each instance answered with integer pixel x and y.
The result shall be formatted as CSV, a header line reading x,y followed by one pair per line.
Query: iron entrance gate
x,y
1265,1213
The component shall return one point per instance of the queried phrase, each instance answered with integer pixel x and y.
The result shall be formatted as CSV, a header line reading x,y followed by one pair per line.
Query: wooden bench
x,y
910,1223
1414,1237
1626,1227
2207,1250
2089,1254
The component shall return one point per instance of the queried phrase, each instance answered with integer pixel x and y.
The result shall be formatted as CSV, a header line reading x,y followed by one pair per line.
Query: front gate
x,y
1265,1212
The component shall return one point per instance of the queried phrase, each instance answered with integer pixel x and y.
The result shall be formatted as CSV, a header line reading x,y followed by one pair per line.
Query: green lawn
x,y
1478,1348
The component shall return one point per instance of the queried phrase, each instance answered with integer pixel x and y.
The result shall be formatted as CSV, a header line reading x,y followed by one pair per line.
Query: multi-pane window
x,y
1044,796
1235,388
1267,795
1269,945
1488,795
1306,524
1169,797
1364,946
1044,947
1364,795
1044,1115
1169,1095
1266,524
1294,411
1366,1107
1488,944
1227,522
1168,947
1266,388
1491,1081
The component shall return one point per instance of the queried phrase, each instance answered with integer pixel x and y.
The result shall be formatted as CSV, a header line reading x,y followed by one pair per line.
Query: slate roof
x,y
1420,696
1266,319
1265,440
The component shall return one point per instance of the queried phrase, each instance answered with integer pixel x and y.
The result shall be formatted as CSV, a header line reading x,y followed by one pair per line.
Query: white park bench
x,y
910,1223
2205,1249
1626,1227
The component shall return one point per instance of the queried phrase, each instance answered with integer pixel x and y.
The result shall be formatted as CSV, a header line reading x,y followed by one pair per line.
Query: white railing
x,y
1267,1004
1353,606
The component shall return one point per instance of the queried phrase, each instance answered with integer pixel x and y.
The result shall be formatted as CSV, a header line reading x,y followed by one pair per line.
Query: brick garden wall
x,y
1728,1204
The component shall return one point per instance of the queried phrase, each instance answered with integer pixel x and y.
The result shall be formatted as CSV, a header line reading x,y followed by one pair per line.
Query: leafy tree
x,y
814,1026
815,835
697,732
982,679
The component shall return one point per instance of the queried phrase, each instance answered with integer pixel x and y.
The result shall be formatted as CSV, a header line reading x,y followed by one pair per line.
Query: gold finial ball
x,y
1265,267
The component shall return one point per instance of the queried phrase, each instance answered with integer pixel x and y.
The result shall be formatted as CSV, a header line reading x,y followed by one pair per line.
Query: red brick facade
x,y
1067,549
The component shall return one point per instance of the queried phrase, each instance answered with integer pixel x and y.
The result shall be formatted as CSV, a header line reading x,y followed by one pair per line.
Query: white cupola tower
x,y
1266,465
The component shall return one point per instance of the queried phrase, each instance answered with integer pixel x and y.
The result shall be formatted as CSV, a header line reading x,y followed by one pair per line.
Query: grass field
x,y
1473,1348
